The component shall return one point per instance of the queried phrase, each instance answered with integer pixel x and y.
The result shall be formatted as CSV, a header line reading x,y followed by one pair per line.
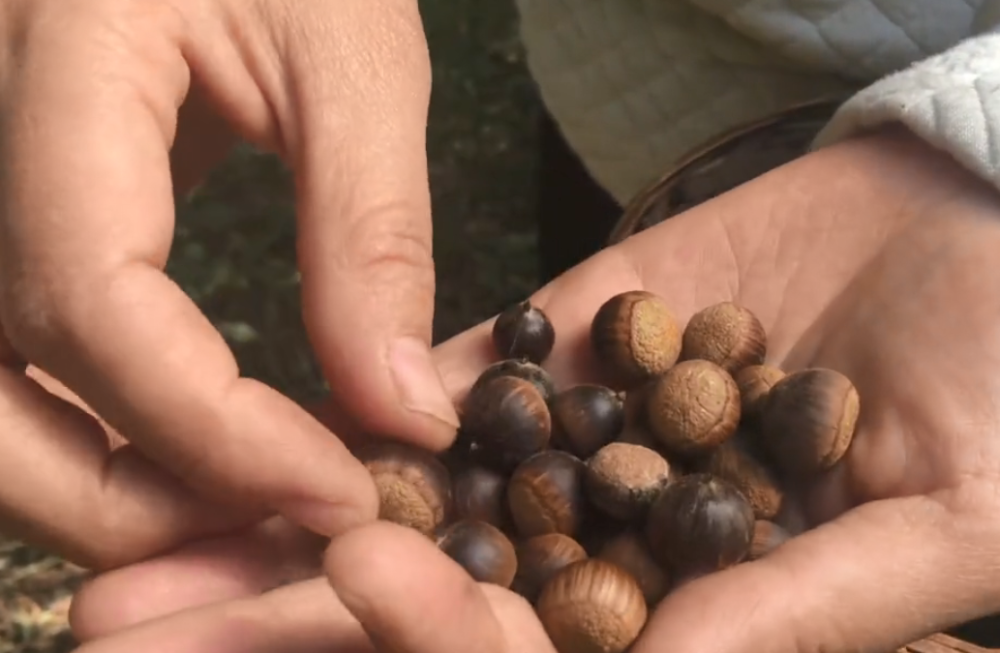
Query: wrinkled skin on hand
x,y
872,257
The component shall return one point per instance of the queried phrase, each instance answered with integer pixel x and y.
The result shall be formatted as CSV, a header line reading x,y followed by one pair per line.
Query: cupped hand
x,y
873,257
108,108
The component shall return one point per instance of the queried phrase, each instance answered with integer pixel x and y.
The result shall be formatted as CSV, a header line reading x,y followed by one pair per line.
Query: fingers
x,y
354,125
881,576
301,618
408,596
272,554
85,227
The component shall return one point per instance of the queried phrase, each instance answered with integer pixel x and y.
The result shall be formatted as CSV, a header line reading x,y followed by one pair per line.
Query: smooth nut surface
x,y
623,479
586,417
523,331
504,421
693,407
482,550
726,334
809,420
754,383
630,552
635,336
539,558
734,461
480,494
545,494
414,487
522,369
700,524
592,606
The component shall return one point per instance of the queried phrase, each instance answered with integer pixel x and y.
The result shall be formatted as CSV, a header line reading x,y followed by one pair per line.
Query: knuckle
x,y
380,246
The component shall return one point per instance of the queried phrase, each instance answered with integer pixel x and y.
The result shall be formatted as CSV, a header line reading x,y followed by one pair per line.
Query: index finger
x,y
85,230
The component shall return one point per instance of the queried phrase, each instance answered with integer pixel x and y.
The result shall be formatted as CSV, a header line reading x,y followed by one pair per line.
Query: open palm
x,y
871,258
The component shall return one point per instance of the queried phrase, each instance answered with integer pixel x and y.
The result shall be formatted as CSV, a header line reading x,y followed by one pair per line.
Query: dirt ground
x,y
234,253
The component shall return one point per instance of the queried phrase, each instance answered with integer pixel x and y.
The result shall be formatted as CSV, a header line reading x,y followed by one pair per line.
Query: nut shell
x,y
414,487
635,336
630,552
726,334
545,494
693,408
809,420
480,494
586,417
504,422
735,461
700,524
523,331
623,479
592,606
754,383
482,550
539,558
522,369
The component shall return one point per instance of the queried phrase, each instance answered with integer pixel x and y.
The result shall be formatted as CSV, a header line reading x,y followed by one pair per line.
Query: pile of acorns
x,y
593,501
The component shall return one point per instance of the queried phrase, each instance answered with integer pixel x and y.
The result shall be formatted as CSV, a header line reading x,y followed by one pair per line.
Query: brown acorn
x,y
480,494
541,557
586,417
545,494
635,336
700,524
693,407
504,422
809,420
522,369
414,487
523,331
592,606
735,461
630,551
754,383
482,550
726,334
623,480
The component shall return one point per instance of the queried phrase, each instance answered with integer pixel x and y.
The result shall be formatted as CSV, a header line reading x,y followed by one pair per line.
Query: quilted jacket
x,y
636,84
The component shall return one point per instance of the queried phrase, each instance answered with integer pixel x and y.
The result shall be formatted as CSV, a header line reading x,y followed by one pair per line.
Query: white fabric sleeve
x,y
951,100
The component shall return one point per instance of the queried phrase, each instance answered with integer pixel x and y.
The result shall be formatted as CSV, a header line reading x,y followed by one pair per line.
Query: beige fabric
x,y
636,84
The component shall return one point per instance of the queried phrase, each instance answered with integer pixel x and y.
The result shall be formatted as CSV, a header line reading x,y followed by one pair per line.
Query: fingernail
x,y
418,382
321,517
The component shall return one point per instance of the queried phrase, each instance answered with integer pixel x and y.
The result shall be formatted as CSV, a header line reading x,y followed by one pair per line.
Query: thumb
x,y
359,79
879,577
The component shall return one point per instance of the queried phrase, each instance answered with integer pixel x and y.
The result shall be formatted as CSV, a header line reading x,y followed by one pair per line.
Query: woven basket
x,y
729,161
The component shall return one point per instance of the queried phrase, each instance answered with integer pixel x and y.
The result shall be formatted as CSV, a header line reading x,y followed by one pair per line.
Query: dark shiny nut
x,y
767,536
504,422
539,558
480,494
809,420
523,370
585,418
623,480
482,550
693,408
630,552
414,487
523,331
635,336
754,383
734,461
545,494
592,606
726,334
700,524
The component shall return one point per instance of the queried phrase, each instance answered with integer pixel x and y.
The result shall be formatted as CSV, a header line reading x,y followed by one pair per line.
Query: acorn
x,y
545,494
726,334
504,421
592,606
735,461
623,480
767,536
480,494
693,407
754,382
585,418
522,369
635,336
523,331
630,552
809,420
482,550
541,557
699,524
414,487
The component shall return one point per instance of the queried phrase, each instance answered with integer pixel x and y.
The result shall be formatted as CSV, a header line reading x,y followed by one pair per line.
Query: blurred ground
x,y
234,253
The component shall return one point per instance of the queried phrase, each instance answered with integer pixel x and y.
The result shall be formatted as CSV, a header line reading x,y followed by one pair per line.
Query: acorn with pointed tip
x,y
523,331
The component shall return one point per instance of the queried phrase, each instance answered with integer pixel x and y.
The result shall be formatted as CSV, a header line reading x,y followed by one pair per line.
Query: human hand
x,y
871,257
104,105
